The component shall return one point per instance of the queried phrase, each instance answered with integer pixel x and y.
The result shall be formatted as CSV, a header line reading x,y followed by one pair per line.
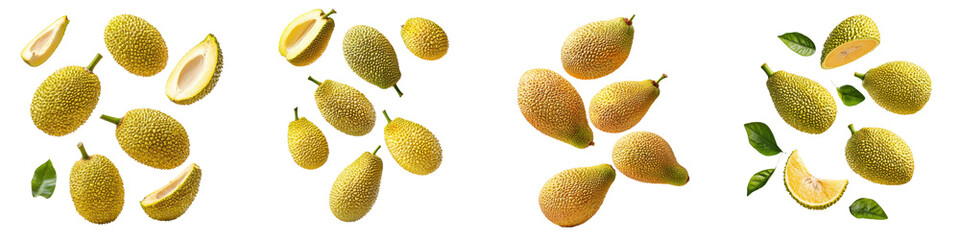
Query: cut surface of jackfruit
x,y
811,192
42,46
306,37
197,72
848,52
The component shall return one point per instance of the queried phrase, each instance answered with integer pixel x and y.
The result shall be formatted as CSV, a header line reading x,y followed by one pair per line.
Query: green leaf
x,y
758,180
799,43
761,138
44,180
850,95
867,208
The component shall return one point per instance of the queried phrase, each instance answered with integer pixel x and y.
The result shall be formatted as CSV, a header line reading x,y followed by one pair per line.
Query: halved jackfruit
x,y
196,73
42,46
173,199
851,39
305,38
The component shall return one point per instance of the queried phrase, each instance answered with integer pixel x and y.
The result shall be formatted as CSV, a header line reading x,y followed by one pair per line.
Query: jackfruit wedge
x,y
811,192
173,199
851,39
196,73
42,46
305,38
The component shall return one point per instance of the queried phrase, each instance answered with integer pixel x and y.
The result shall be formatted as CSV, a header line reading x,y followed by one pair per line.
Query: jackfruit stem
x,y
859,75
83,151
657,83
398,90
296,116
327,15
852,131
387,116
375,150
314,80
630,21
93,63
767,70
110,119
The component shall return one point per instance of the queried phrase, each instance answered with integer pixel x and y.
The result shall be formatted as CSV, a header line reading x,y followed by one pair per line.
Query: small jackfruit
x,y
851,39
41,47
573,196
151,137
344,107
172,200
414,147
900,87
196,73
65,100
356,188
809,191
879,155
96,188
307,144
801,102
305,38
424,38
598,48
553,107
136,45
371,57
621,105
646,157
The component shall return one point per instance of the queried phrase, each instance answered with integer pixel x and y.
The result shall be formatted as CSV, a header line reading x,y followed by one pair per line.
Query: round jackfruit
x,y
851,39
803,103
307,144
356,188
136,45
196,73
647,157
152,138
573,196
414,147
306,37
96,188
345,108
172,200
552,105
900,87
598,48
879,155
371,56
65,100
424,38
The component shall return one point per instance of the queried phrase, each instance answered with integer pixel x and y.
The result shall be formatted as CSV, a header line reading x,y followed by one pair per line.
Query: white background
x,y
494,162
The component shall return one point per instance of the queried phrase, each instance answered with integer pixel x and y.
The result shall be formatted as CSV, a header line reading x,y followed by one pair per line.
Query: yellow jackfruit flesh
x,y
900,87
879,155
851,39
414,147
196,73
305,38
356,188
151,137
96,188
424,38
646,157
371,57
65,100
573,196
41,47
344,107
136,45
621,105
803,103
172,200
598,48
809,191
306,142
552,105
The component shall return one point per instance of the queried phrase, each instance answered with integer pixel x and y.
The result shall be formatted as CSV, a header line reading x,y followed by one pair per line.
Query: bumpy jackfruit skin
x,y
573,196
850,29
65,100
317,46
210,40
356,188
371,56
307,144
345,108
136,45
900,87
646,157
803,103
414,147
809,186
553,107
598,48
96,189
879,155
621,105
424,38
153,138
177,202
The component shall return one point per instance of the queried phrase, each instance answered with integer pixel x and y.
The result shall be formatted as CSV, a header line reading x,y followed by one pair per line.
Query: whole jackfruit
x,y
880,156
646,157
136,45
598,48
65,100
152,137
173,199
414,147
356,188
307,144
621,105
573,196
96,188
801,102
344,107
371,57
900,87
424,38
851,39
553,107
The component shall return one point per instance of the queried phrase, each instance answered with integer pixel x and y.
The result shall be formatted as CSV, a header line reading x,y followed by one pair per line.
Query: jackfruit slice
x,y
173,199
809,191
851,39
305,38
42,46
196,73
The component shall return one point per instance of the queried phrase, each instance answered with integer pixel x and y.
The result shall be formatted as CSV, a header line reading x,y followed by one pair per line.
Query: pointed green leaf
x,y
850,95
761,138
799,43
758,180
44,180
867,208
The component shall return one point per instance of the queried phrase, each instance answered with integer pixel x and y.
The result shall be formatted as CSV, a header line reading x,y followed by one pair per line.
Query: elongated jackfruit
x,y
803,103
371,56
598,48
65,100
136,45
152,137
96,188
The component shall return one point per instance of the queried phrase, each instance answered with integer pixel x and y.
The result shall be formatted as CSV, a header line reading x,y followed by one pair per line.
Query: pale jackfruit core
x,y
300,34
193,72
166,190
848,52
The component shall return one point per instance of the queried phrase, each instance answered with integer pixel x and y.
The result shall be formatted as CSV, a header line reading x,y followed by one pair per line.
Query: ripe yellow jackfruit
x,y
344,107
96,188
371,57
900,87
851,39
424,38
879,155
598,48
41,47
307,144
152,137
811,192
136,45
553,107
801,102
65,100
573,196
621,105
172,200
196,73
305,38
646,157
356,188
414,147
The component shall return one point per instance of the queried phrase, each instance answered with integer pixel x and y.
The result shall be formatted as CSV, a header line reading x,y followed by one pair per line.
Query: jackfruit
x,y
851,39
307,144
598,48
621,105
879,155
900,87
646,157
41,47
172,200
414,147
152,138
96,188
66,99
344,107
136,45
553,106
196,73
573,196
371,57
305,38
424,38
356,188
809,191
801,102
